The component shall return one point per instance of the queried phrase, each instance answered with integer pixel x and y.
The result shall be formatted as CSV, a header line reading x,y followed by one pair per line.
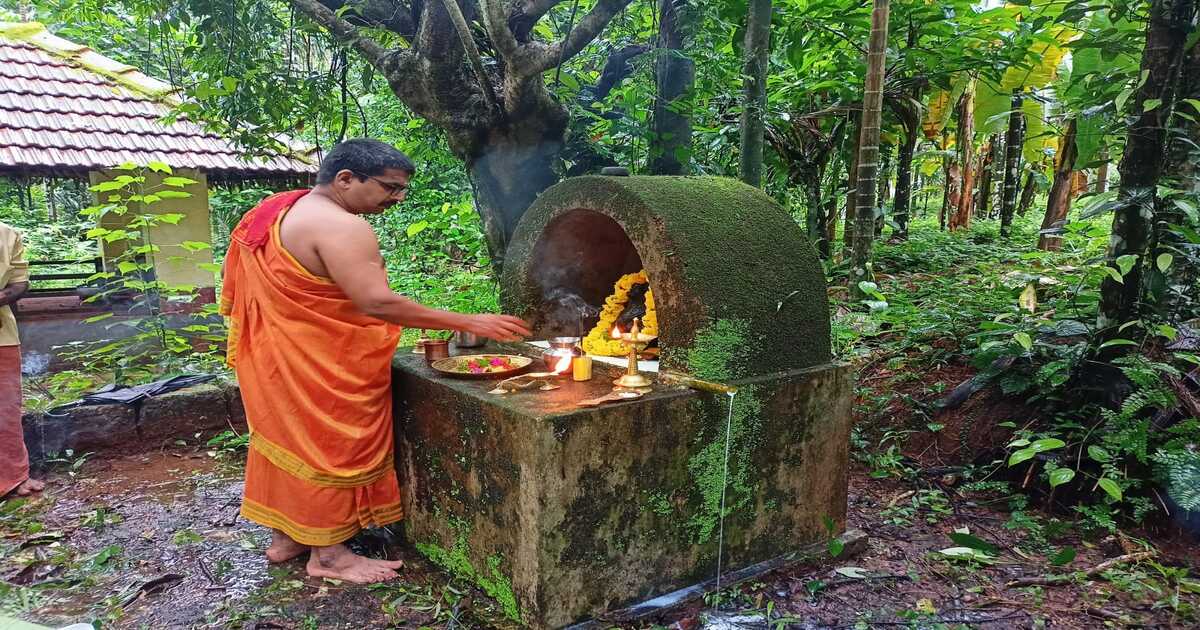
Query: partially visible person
x,y
14,278
313,328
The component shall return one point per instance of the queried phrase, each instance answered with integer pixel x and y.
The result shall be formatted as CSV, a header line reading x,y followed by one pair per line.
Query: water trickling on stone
x,y
724,483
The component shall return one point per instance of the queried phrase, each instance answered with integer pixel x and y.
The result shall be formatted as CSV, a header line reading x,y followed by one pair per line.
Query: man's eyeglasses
x,y
392,187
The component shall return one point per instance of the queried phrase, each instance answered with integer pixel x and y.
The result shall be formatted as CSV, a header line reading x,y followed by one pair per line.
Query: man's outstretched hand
x,y
498,327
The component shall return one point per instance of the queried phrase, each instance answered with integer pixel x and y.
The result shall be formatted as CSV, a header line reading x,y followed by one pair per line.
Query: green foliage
x,y
457,560
1181,471
158,346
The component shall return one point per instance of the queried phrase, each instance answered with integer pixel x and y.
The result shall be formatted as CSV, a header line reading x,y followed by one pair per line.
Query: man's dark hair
x,y
363,156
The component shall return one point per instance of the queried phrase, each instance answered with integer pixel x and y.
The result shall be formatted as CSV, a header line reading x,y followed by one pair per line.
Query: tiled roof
x,y
65,108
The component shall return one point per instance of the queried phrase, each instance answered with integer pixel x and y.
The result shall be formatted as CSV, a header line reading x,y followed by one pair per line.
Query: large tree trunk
x,y
1060,191
508,172
754,100
1142,163
675,74
499,117
904,177
961,218
1174,291
1013,140
868,158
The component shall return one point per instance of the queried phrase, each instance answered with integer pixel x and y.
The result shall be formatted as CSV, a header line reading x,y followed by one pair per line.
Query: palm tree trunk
x,y
868,158
1013,141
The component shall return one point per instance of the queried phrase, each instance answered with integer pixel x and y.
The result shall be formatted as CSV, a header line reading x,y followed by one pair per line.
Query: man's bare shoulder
x,y
320,218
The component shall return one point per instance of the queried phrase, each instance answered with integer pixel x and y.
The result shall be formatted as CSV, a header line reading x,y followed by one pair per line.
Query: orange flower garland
x,y
598,341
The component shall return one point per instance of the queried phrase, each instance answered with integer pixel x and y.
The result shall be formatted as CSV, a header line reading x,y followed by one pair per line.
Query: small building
x,y
68,112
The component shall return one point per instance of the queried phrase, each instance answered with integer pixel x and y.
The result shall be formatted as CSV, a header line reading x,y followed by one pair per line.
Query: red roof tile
x,y
65,108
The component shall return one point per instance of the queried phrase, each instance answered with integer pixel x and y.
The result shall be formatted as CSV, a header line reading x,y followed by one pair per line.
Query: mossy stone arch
x,y
720,256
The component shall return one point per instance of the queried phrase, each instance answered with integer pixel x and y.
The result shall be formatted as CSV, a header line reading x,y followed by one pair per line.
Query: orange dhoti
x,y
315,378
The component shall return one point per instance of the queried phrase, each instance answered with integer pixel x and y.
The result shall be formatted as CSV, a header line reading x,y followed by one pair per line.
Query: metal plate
x,y
456,366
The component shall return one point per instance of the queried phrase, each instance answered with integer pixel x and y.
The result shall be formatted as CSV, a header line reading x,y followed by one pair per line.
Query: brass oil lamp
x,y
635,341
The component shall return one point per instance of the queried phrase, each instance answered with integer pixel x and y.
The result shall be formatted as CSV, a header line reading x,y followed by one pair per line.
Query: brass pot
x,y
436,349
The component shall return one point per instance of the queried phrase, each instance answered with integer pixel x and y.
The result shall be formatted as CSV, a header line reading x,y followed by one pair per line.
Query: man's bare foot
x,y
283,548
339,563
29,486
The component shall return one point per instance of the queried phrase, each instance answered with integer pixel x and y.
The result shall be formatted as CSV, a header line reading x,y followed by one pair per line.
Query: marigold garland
x,y
597,341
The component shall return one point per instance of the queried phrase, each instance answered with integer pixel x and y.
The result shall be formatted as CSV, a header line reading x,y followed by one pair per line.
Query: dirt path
x,y
155,542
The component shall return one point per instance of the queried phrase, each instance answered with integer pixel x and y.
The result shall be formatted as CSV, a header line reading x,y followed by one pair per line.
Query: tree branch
x,y
497,26
525,14
391,15
343,31
616,69
588,28
464,33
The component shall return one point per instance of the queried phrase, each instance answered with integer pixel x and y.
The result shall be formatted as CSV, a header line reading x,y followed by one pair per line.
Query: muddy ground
x,y
154,541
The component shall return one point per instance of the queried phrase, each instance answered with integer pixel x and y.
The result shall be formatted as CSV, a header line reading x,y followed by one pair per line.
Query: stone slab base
x,y
563,513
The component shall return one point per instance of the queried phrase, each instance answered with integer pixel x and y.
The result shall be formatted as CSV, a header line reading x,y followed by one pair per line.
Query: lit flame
x,y
616,332
563,365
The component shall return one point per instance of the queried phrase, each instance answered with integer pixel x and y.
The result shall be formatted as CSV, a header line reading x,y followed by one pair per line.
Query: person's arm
x,y
350,253
13,292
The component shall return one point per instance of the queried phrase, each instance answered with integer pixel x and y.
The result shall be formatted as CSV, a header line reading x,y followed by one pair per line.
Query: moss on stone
x,y
714,249
457,561
596,520
714,357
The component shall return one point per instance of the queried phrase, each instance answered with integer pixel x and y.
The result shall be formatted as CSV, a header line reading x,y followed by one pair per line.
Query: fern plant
x,y
1180,472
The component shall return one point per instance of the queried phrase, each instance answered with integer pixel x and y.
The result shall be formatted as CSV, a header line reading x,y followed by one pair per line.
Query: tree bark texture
x,y
675,73
868,158
904,182
886,164
1170,23
1060,191
950,180
852,183
1028,191
961,218
987,164
754,97
1014,139
498,116
1175,292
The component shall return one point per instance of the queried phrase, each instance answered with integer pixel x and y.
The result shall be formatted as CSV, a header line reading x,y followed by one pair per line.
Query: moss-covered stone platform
x,y
714,249
562,513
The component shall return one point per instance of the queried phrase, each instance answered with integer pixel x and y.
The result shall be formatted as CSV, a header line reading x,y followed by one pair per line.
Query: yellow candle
x,y
581,368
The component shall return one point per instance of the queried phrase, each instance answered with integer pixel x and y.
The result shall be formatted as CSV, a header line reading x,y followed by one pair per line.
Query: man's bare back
x,y
313,225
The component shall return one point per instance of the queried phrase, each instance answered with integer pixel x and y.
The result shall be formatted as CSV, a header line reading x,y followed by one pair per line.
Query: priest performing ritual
x,y
313,327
